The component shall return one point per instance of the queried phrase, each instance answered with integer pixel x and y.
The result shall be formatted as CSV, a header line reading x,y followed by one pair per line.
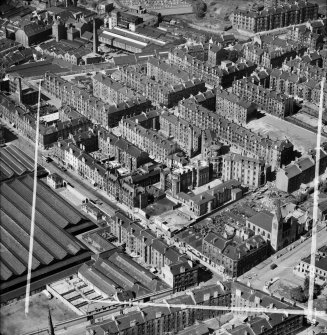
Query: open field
x,y
279,129
13,320
217,15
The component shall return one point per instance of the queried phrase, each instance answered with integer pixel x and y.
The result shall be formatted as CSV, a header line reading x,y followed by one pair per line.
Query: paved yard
x,y
13,320
279,129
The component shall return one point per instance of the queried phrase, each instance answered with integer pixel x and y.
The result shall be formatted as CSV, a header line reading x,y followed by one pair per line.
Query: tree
x,y
199,8
298,294
316,288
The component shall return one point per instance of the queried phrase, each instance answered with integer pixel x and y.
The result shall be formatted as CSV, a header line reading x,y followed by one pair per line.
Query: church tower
x,y
277,227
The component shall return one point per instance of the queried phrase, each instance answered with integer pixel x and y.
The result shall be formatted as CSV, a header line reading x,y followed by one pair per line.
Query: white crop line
x,y
272,310
315,207
30,252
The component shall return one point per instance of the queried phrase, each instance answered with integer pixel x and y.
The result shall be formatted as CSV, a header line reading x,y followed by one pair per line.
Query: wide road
x,y
83,186
262,272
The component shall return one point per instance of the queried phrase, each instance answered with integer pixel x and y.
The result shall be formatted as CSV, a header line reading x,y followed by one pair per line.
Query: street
x,y
285,263
83,186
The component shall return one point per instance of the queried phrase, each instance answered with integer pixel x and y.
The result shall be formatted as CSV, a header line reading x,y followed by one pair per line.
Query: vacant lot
x,y
279,129
13,320
217,15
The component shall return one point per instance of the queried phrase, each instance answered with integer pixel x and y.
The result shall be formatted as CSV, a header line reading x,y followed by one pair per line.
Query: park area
x,y
13,320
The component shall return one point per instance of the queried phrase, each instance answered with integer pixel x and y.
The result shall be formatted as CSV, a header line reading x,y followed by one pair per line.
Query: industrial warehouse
x,y
56,252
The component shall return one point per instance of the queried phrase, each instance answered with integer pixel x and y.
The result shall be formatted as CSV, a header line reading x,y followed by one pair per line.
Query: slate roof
x,y
262,220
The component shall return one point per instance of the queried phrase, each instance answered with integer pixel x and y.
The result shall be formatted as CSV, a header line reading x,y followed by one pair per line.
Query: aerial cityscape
x,y
163,167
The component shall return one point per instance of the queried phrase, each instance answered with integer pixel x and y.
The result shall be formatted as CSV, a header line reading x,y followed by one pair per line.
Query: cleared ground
x,y
13,320
279,129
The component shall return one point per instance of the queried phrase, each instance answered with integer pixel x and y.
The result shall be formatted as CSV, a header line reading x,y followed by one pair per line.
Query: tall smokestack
x,y
95,38
20,93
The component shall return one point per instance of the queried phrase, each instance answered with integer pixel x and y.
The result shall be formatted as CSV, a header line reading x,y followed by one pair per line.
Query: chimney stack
x,y
20,93
95,38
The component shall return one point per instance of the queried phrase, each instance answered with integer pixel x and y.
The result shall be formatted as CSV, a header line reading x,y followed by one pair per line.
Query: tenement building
x,y
176,269
273,55
149,140
277,104
299,81
183,179
25,120
231,255
125,189
111,91
251,172
212,198
188,137
309,34
233,108
220,75
161,70
160,92
93,108
169,318
247,143
125,153
263,323
303,268
275,17
290,178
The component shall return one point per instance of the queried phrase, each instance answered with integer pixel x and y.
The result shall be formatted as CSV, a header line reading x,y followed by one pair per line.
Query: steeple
x,y
51,328
278,211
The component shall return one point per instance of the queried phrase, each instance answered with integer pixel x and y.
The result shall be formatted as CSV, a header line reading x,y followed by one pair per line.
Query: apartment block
x,y
275,17
124,152
177,270
273,56
233,108
93,108
122,189
161,93
257,323
303,268
233,256
220,75
111,91
182,132
24,119
162,71
275,153
277,104
290,178
156,145
248,171
308,34
165,319
184,179
204,202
